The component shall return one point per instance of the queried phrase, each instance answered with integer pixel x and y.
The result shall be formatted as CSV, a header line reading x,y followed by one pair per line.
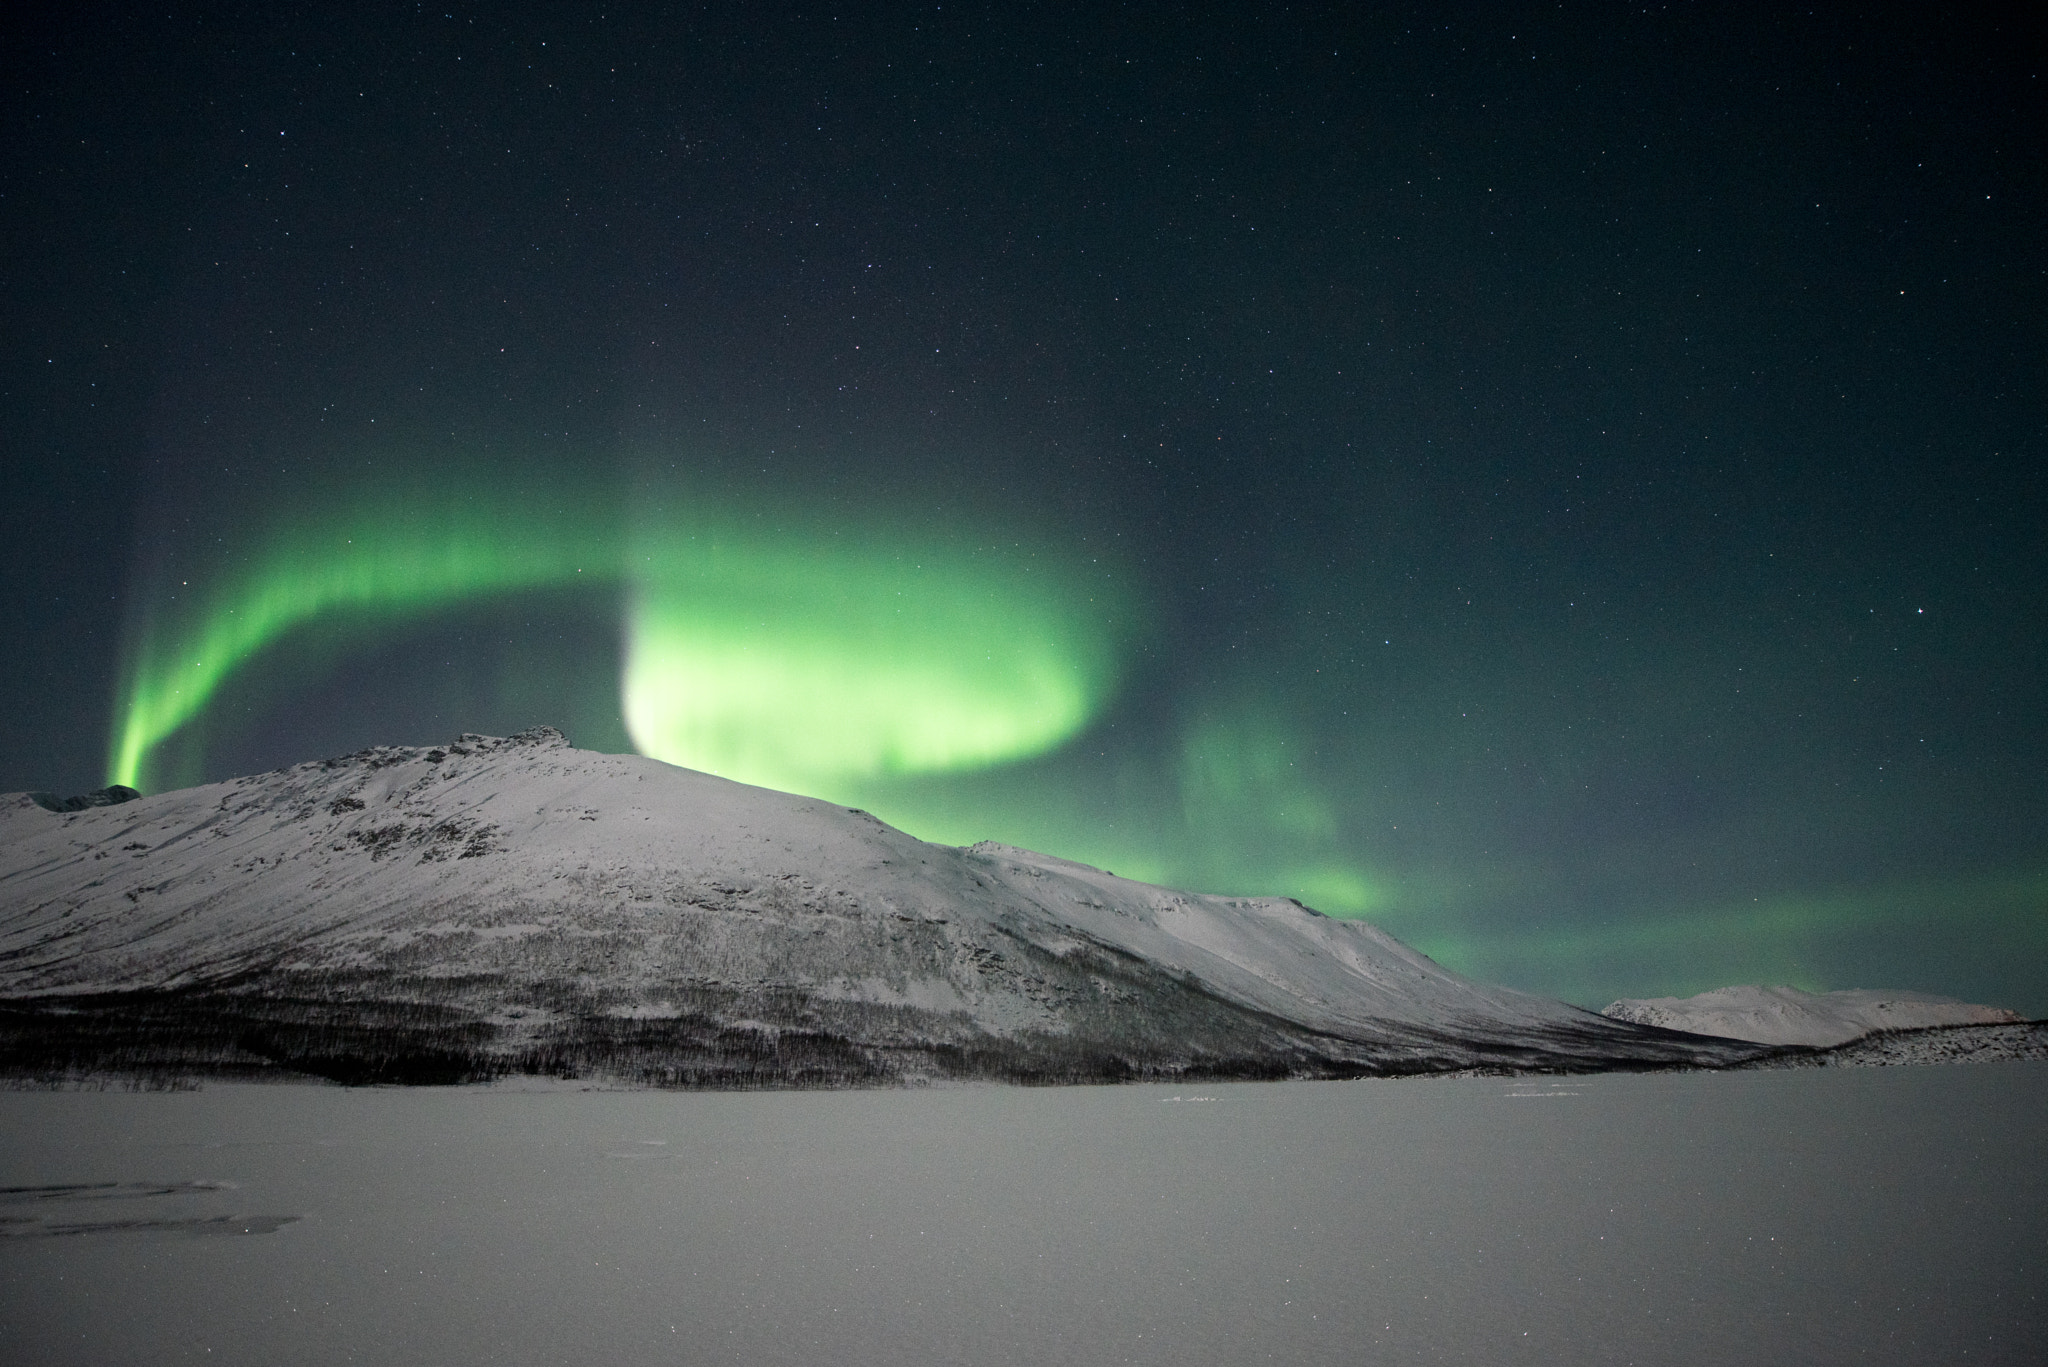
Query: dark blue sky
x,y
1577,470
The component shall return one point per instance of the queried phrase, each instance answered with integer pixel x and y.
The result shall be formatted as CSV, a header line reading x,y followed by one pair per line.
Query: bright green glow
x,y
801,657
797,664
1337,889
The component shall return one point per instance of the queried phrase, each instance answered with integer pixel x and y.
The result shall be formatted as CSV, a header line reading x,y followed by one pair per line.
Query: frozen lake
x,y
1880,1215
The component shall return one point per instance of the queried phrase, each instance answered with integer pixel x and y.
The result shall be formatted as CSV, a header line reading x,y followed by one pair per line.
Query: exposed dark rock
x,y
111,796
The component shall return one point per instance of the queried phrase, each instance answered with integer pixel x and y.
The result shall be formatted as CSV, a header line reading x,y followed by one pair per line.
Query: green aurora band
x,y
802,665
806,656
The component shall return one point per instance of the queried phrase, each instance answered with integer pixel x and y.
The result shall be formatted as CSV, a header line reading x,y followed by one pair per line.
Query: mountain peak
x,y
514,904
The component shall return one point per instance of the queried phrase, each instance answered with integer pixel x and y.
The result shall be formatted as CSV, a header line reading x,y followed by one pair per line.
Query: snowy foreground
x,y
1867,1215
516,907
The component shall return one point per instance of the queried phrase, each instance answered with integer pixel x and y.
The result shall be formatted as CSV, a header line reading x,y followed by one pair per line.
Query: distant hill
x,y
1786,1015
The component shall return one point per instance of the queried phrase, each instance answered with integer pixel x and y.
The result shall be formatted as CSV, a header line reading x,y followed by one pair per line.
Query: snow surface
x,y
528,884
1885,1217
1786,1015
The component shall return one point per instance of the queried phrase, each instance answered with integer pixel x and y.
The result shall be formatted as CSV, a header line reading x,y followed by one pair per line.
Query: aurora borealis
x,y
806,664
802,659
1568,490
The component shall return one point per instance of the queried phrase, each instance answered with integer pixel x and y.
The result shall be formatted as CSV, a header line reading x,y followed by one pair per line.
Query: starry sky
x,y
1563,482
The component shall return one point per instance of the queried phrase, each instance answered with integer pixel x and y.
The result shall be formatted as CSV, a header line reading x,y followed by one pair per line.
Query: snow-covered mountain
x,y
514,904
1786,1015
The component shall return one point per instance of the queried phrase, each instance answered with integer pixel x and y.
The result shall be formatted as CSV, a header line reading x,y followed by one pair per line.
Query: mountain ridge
x,y
510,904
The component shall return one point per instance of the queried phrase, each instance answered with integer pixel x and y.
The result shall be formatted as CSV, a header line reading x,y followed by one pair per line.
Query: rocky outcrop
x,y
110,796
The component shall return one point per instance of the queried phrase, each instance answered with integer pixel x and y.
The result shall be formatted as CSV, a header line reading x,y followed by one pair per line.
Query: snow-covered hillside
x,y
1786,1015
500,904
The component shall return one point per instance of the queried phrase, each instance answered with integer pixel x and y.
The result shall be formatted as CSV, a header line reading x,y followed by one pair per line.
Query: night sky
x,y
1564,482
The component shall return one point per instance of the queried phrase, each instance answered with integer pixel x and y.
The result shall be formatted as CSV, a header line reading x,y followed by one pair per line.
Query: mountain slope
x,y
514,904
